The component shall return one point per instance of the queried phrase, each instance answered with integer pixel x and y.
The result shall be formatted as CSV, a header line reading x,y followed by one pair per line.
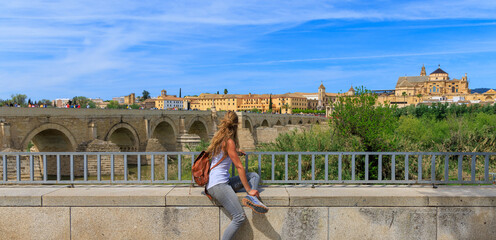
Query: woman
x,y
220,186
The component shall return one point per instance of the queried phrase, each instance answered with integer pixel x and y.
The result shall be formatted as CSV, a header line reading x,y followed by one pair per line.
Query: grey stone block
x,y
454,196
118,196
145,223
355,197
382,223
466,223
281,223
34,223
23,196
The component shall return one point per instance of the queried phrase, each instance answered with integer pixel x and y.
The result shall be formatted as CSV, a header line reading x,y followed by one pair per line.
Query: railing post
x,y
460,170
353,167
472,168
4,168
393,167
313,167
366,167
419,162
58,167
260,165
98,166
433,168
446,168
273,168
31,168
152,167
125,167
286,167
112,168
45,177
486,169
407,163
299,167
326,167
379,174
18,163
166,165
71,166
340,159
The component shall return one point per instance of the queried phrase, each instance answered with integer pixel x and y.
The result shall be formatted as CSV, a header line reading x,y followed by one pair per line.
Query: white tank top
x,y
220,173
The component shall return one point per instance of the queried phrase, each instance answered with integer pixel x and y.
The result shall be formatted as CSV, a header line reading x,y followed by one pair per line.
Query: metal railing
x,y
273,167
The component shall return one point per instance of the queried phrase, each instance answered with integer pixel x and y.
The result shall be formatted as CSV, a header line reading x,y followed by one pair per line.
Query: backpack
x,y
201,169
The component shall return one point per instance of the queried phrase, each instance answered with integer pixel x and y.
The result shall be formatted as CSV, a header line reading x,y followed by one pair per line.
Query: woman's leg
x,y
253,180
225,195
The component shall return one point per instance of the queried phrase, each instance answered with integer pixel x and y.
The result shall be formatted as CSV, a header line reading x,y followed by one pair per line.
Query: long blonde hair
x,y
228,129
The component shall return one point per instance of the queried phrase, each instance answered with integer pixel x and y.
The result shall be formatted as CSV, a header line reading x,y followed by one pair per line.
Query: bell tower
x,y
422,73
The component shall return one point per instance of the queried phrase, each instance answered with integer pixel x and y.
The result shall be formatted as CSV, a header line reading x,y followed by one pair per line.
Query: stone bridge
x,y
71,130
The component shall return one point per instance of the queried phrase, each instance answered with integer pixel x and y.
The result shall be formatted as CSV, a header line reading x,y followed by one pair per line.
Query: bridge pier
x,y
5,130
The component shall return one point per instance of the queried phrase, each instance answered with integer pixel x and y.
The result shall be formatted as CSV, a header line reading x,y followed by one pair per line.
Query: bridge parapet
x,y
296,212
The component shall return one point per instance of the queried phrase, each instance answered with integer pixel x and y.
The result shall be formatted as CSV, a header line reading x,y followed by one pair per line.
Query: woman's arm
x,y
233,154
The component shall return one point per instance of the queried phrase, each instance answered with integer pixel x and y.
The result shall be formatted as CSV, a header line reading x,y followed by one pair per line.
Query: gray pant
x,y
225,194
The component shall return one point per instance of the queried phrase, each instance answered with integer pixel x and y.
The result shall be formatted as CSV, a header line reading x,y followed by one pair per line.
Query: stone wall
x,y
295,212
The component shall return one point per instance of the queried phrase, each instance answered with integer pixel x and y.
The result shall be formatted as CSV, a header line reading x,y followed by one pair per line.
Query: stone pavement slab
x,y
23,196
107,196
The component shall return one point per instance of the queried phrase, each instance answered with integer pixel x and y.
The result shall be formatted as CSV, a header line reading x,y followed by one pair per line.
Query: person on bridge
x,y
220,186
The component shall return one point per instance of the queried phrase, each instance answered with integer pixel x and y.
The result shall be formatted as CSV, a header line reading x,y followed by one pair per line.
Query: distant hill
x,y
480,90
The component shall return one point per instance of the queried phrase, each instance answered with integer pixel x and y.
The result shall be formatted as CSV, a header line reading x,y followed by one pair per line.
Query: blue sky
x,y
93,48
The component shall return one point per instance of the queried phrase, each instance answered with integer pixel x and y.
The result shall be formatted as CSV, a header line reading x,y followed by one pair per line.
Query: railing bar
x,y
460,170
45,174
85,163
326,168
340,174
246,162
433,168
71,165
472,168
286,167
353,167
58,168
393,167
313,167
486,168
31,168
273,168
18,163
98,170
260,165
112,170
366,167
166,165
5,178
125,167
419,162
379,174
299,167
179,165
152,167
446,168
407,163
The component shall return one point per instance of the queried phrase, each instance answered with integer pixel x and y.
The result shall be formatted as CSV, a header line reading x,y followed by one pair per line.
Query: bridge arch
x,y
248,123
198,126
165,131
278,123
300,122
125,136
50,137
265,123
289,122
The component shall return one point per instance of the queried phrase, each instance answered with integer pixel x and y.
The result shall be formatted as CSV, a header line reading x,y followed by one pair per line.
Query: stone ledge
x,y
23,196
275,196
95,196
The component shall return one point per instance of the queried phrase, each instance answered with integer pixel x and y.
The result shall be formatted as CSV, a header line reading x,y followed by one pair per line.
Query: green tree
x,y
225,91
19,99
45,102
113,105
80,100
145,94
357,115
404,96
134,106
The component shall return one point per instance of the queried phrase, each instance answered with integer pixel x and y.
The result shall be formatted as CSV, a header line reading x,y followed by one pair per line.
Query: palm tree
x,y
404,96
419,97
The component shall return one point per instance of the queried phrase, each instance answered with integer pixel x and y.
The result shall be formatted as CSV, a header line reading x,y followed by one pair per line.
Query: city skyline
x,y
107,49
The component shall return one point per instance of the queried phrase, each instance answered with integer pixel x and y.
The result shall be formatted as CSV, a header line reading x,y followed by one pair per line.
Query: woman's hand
x,y
241,152
254,193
